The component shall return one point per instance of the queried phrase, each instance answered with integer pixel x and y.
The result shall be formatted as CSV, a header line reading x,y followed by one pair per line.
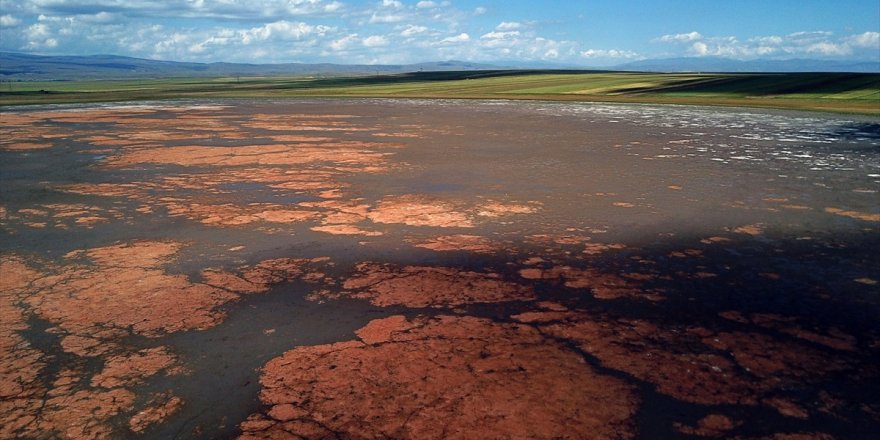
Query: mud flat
x,y
437,269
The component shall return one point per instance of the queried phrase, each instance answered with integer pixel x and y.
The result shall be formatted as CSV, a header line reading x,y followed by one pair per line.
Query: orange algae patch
x,y
65,215
261,276
498,209
868,217
638,348
423,286
126,288
599,248
229,214
343,229
601,284
787,408
417,210
131,368
420,210
158,410
833,338
750,230
697,365
20,364
768,358
444,377
64,407
349,153
458,242
97,297
383,330
25,146
713,425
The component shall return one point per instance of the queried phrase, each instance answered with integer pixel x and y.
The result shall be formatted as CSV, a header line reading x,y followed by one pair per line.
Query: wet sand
x,y
437,269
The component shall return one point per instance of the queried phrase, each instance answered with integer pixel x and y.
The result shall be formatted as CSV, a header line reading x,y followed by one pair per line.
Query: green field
x,y
838,92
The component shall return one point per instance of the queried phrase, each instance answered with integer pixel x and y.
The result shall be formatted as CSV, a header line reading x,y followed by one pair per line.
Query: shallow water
x,y
744,238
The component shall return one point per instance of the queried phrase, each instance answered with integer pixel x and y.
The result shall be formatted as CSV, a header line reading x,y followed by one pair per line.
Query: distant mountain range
x,y
25,67
15,66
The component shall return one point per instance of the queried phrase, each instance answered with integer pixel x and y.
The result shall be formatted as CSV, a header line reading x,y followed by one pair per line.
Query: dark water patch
x,y
222,389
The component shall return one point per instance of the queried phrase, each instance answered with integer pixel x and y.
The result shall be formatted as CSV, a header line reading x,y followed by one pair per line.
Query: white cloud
x,y
508,26
829,49
354,32
386,18
282,30
608,53
39,36
812,43
500,35
101,17
375,41
8,20
413,30
700,48
690,36
868,40
460,38
199,9
333,7
344,42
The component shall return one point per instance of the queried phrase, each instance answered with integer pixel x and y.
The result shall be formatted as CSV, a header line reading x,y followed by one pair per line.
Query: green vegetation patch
x,y
841,92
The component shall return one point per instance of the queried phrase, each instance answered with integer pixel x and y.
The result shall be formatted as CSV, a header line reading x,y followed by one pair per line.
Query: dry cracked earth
x,y
433,269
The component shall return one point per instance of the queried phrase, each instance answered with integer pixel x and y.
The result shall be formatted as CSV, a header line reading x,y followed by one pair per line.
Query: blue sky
x,y
577,33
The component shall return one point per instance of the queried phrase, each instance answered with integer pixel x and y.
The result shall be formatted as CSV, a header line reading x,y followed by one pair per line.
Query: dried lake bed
x,y
437,269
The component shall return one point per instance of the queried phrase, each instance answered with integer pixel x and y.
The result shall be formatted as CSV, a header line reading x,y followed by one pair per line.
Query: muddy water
x,y
215,269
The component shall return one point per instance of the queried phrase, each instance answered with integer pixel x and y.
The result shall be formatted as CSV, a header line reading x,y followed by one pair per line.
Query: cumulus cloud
x,y
812,43
386,18
508,26
344,43
39,37
700,48
460,38
495,35
282,30
375,41
690,36
8,20
412,29
869,40
226,9
828,49
608,53
354,32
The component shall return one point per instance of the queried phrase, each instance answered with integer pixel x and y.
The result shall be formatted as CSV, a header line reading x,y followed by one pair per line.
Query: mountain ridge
x,y
19,66
29,67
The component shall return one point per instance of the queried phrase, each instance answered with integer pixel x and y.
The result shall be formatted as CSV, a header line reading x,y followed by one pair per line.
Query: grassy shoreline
x,y
829,92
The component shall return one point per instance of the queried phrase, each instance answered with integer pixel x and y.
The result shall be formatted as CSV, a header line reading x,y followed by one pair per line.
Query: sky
x,y
564,32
